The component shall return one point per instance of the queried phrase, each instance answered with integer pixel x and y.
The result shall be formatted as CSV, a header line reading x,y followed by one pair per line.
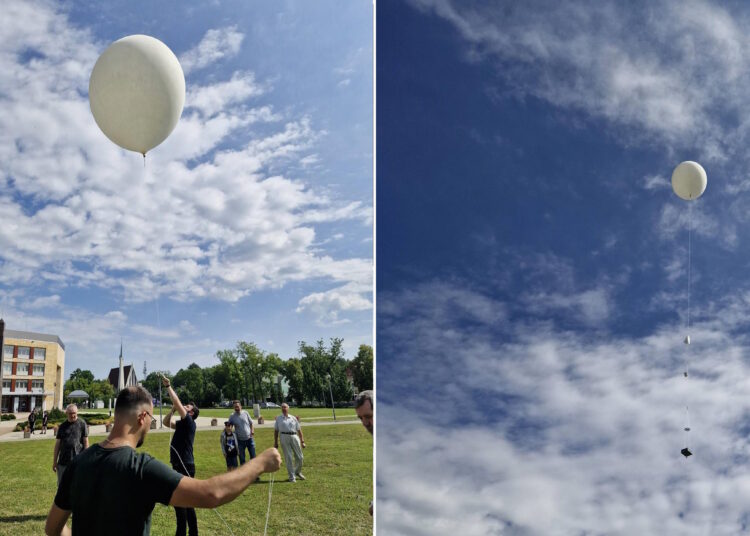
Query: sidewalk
x,y
202,424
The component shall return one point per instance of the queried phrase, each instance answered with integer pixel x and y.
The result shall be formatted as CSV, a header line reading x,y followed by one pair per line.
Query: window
x,y
6,385
23,352
38,370
37,386
22,369
7,368
40,353
22,385
8,351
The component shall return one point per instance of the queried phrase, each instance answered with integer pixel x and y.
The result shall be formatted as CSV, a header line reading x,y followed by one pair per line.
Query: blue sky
x,y
253,221
532,268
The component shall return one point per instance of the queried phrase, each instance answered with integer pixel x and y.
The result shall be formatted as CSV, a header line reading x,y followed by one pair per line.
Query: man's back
x,y
100,481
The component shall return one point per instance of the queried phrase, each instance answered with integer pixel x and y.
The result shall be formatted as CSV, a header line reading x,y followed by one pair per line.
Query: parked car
x,y
266,405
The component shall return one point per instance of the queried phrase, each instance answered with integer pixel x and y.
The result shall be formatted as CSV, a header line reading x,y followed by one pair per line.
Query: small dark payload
x,y
686,452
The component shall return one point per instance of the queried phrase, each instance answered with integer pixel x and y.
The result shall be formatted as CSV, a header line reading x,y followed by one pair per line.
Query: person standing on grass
x,y
32,420
112,489
292,442
243,427
72,439
181,453
45,420
364,405
229,446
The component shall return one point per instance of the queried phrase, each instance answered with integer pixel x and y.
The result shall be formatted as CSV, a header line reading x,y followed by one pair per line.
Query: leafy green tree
x,y
79,380
292,371
101,390
362,368
317,362
189,384
153,380
230,375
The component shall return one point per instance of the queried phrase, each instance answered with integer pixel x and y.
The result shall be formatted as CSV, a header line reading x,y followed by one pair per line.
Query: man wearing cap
x,y
292,442
229,446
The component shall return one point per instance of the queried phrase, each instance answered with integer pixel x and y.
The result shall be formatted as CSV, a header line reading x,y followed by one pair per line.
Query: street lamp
x,y
328,376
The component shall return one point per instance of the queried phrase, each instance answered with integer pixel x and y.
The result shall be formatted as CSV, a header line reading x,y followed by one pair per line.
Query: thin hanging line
x,y
268,512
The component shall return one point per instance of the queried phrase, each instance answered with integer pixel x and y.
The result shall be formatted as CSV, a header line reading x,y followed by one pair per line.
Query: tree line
x,y
250,374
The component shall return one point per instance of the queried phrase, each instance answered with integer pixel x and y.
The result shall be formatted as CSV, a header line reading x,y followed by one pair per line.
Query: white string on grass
x,y
268,511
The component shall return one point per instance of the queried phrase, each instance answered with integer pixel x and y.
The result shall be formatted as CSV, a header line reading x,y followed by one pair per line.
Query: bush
x,y
92,419
8,417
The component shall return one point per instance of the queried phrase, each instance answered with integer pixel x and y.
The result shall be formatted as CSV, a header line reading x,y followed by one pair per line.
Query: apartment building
x,y
33,367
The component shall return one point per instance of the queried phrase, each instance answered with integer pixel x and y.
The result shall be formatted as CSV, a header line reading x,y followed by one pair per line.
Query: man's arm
x,y
56,520
167,420
56,454
223,488
85,435
276,439
302,439
176,404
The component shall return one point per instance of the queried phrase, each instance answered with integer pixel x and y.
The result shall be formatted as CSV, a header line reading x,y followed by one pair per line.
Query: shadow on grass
x,y
21,519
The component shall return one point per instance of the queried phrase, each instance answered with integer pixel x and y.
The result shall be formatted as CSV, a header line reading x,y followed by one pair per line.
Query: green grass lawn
x,y
332,501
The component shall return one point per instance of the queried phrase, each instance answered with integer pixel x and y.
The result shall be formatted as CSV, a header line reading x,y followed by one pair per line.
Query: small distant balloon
x,y
689,180
137,92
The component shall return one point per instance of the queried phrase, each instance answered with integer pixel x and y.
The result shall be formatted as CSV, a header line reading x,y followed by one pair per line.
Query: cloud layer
x,y
526,428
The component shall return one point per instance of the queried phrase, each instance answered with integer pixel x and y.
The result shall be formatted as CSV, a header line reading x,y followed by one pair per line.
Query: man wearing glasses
x,y
181,453
72,439
112,489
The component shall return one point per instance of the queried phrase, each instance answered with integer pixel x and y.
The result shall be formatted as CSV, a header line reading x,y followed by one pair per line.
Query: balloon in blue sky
x,y
137,92
689,180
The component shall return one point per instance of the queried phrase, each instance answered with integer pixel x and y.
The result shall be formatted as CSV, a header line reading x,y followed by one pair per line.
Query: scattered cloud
x,y
202,218
216,44
536,430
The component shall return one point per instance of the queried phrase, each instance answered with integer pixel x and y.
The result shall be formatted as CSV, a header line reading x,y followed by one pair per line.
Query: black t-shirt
x,y
113,491
182,441
71,436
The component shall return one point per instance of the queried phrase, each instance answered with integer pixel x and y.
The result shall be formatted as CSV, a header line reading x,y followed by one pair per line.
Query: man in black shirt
x,y
181,453
112,489
72,438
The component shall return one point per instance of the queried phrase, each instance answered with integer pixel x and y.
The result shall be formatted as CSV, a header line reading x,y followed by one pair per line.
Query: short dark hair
x,y
363,397
236,402
196,411
131,398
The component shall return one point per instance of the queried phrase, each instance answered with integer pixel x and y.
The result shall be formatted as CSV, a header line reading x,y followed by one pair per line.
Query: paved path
x,y
202,423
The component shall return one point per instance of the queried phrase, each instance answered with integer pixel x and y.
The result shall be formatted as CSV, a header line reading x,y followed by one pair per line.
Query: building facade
x,y
33,367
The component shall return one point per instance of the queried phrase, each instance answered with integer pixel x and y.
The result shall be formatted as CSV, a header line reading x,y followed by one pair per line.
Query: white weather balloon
x,y
689,180
136,92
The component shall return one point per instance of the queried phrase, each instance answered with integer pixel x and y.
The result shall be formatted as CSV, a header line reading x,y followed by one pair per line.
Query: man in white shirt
x,y
292,442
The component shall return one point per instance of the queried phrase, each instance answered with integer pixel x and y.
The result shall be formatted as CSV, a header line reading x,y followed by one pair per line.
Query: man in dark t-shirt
x,y
181,453
112,489
72,438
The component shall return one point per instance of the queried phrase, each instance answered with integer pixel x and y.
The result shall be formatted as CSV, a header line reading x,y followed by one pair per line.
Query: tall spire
x,y
121,379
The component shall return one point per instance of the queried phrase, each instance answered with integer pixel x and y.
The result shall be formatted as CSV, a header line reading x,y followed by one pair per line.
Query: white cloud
x,y
526,429
215,45
671,82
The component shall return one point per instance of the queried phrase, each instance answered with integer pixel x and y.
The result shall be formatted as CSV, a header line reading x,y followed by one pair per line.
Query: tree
x,y
189,384
362,368
153,381
292,371
317,362
79,380
101,390
230,376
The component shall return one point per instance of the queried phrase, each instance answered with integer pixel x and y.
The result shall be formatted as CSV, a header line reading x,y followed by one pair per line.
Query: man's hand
x,y
165,381
54,467
303,443
271,460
